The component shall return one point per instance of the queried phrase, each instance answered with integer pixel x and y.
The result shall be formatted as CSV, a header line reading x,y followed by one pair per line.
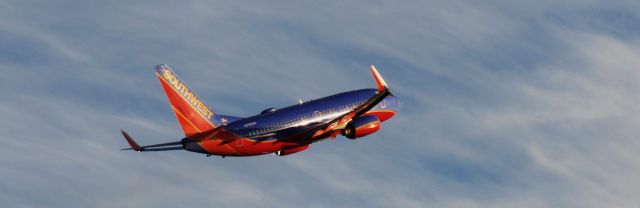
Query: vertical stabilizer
x,y
192,114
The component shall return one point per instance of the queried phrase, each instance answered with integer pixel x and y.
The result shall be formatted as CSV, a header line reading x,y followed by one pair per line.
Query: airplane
x,y
353,114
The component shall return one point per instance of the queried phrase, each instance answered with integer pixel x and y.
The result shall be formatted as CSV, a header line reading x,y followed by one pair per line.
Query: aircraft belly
x,y
240,147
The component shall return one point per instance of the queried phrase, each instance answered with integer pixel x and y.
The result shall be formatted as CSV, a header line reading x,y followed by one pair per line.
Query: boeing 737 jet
x,y
353,114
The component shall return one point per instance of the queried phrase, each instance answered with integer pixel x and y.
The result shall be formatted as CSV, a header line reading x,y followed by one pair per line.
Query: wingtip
x,y
382,85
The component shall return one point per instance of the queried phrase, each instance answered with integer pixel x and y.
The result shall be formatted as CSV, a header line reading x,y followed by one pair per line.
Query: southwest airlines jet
x,y
285,131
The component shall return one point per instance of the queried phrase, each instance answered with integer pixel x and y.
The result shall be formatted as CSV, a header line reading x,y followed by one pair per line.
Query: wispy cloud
x,y
518,104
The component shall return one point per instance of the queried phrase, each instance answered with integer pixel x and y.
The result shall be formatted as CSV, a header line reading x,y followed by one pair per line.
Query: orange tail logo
x,y
192,114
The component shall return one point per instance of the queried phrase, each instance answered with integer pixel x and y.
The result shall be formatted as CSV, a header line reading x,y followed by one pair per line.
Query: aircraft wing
x,y
332,128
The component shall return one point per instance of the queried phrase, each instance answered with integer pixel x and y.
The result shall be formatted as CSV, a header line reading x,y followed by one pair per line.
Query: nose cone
x,y
386,108
392,102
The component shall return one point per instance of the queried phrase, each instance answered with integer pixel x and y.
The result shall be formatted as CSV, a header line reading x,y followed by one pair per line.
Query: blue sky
x,y
505,104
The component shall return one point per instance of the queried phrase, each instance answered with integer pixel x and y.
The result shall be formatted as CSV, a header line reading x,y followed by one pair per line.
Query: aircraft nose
x,y
392,102
387,108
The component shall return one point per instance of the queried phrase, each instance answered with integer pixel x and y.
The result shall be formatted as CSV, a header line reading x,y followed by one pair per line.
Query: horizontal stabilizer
x,y
156,147
132,143
163,149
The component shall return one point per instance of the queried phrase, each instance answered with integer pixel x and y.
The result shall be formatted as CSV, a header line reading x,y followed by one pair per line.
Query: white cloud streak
x,y
505,104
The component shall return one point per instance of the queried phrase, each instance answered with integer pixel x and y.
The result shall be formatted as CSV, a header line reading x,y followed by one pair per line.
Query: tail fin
x,y
192,114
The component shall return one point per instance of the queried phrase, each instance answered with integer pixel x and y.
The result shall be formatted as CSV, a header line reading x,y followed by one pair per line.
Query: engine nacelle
x,y
292,150
361,126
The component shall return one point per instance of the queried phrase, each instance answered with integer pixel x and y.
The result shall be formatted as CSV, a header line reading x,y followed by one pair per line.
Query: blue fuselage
x,y
296,121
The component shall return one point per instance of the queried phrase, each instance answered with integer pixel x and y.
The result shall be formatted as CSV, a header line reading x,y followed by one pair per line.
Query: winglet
x,y
131,142
382,85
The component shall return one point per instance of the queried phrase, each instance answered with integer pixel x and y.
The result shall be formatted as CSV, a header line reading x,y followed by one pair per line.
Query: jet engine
x,y
361,126
292,150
